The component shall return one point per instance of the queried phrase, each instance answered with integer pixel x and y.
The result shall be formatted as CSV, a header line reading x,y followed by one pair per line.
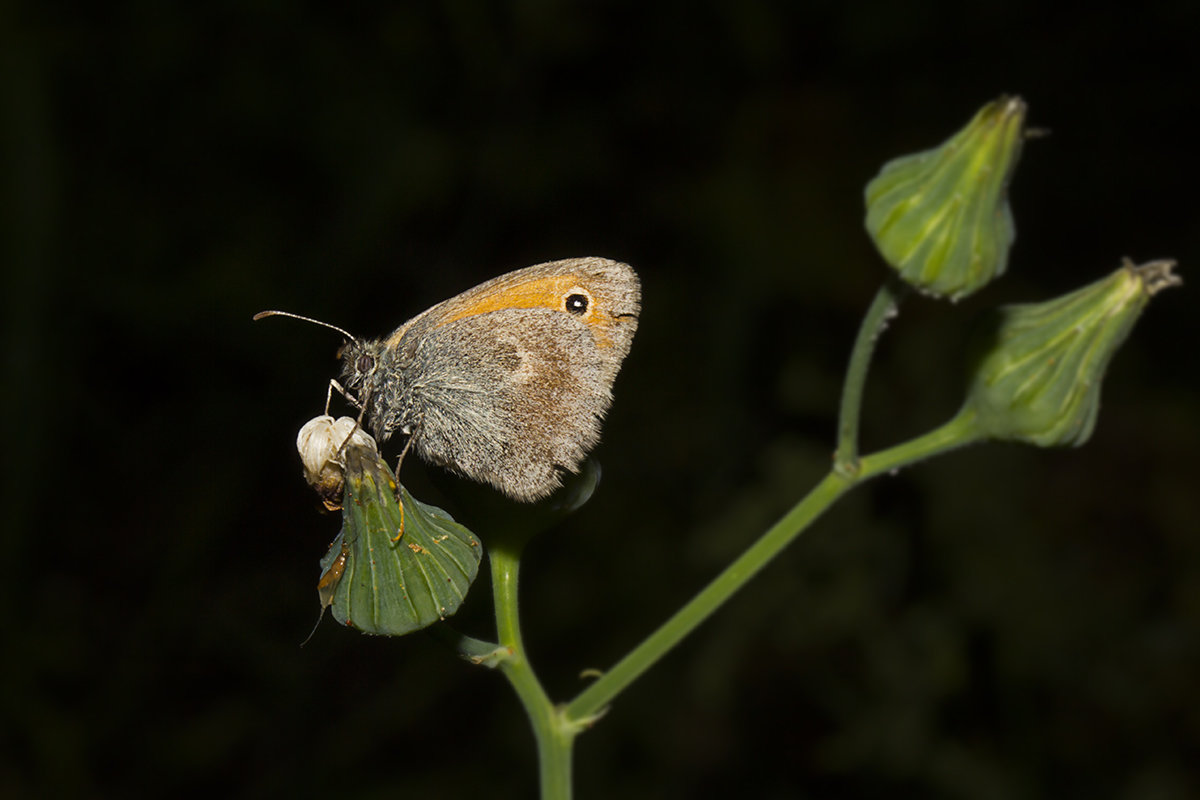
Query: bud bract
x,y
941,217
1037,377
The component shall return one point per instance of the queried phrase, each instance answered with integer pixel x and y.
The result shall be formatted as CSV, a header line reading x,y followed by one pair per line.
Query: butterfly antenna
x,y
262,314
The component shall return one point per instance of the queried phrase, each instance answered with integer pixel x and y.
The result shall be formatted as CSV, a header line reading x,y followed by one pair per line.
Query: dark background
x,y
1003,622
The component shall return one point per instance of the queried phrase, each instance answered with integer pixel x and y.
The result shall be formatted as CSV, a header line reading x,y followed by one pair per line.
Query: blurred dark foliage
x,y
1000,623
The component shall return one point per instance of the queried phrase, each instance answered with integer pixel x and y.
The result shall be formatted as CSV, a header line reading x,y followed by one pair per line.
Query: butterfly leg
x,y
351,399
354,401
400,461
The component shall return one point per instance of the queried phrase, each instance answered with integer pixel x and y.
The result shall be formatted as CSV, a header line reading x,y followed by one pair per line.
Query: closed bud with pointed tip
x,y
1037,379
941,217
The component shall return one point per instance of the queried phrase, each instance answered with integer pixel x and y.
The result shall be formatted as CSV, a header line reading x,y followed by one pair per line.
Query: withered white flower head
x,y
321,443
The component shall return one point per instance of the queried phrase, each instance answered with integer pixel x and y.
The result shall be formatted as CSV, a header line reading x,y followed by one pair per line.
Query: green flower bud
x,y
398,565
941,217
1038,380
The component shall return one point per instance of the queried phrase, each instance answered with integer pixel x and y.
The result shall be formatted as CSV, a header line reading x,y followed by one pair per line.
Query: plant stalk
x,y
554,740
882,309
593,700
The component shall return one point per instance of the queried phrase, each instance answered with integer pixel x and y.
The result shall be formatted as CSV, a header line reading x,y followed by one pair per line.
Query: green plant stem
x,y
958,432
554,739
882,309
593,700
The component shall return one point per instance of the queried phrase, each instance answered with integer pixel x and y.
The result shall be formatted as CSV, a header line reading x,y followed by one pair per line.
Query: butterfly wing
x,y
508,383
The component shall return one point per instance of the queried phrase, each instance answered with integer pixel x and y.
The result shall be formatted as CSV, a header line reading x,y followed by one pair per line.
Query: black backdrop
x,y
1003,622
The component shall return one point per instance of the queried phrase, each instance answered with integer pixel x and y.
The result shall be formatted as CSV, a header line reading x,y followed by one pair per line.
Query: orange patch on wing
x,y
539,293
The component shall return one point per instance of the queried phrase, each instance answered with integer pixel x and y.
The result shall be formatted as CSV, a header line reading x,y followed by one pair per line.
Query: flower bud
x,y
941,217
1038,378
398,565
320,443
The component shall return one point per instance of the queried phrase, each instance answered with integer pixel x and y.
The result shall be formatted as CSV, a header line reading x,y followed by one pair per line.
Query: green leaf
x,y
391,586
